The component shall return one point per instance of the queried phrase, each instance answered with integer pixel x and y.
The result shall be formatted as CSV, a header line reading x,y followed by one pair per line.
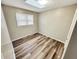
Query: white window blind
x,y
24,19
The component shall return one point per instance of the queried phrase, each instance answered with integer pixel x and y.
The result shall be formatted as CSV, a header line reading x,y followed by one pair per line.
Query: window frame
x,y
27,20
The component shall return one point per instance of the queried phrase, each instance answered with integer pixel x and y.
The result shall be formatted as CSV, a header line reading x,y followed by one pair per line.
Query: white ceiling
x,y
51,4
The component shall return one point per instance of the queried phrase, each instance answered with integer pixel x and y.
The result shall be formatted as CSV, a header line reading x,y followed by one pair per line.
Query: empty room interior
x,y
38,29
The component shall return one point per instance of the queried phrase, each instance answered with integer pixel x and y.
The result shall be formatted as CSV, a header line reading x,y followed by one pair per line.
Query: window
x,y
24,19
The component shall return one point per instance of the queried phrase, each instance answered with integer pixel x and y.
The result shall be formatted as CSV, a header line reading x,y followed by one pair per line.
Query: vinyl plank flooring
x,y
24,39
38,46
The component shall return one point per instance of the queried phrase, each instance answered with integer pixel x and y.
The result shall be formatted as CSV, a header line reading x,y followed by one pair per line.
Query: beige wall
x,y
5,38
55,23
7,50
17,32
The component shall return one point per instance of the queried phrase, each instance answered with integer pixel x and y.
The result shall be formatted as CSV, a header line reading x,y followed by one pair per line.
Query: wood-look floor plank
x,y
38,46
34,54
45,51
27,56
51,53
30,47
59,52
26,44
24,39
